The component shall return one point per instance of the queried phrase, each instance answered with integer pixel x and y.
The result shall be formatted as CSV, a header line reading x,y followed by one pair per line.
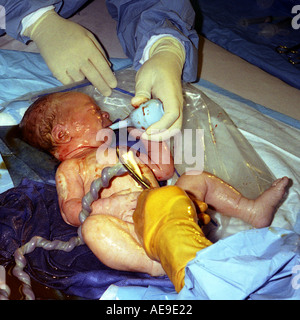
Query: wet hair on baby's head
x,y
38,121
44,114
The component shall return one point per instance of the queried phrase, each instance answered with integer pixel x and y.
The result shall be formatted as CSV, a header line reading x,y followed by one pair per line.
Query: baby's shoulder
x,y
69,164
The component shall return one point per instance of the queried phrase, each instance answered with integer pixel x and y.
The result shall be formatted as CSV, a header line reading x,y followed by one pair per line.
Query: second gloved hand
x,y
160,77
71,52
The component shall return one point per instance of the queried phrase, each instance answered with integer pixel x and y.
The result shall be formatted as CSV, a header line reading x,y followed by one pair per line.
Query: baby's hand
x,y
127,202
121,205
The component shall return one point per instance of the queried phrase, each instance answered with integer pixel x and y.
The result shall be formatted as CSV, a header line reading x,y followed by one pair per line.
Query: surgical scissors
x,y
292,53
128,161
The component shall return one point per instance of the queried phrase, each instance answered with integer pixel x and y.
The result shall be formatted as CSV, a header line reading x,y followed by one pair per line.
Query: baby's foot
x,y
266,204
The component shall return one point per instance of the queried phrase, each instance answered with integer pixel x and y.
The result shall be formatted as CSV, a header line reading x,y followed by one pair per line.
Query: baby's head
x,y
62,122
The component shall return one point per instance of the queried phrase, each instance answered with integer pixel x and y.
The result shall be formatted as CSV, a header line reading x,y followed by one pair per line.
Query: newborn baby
x,y
67,126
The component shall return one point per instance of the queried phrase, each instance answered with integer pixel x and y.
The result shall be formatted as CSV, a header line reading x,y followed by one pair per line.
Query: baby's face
x,y
85,119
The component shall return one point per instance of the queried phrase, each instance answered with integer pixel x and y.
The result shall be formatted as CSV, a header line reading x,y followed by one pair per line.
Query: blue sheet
x,y
221,24
25,72
254,265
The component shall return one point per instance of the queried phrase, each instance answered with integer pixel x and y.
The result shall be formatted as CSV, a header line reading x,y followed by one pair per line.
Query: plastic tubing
x,y
38,242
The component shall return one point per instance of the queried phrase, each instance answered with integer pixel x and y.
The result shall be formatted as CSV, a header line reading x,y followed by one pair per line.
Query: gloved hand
x,y
160,77
165,221
71,52
203,217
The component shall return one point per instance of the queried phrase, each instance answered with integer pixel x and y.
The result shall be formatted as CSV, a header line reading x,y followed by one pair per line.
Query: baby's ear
x,y
60,134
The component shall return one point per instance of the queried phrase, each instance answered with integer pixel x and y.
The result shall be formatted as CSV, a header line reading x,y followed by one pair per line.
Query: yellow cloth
x,y
166,223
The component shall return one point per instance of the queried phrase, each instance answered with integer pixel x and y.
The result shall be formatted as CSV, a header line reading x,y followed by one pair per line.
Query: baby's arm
x,y
70,191
158,157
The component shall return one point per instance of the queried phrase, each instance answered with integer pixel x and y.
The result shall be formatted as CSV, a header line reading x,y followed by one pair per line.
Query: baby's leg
x,y
228,201
115,243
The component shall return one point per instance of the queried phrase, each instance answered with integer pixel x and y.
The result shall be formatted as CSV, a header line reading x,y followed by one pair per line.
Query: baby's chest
x,y
92,170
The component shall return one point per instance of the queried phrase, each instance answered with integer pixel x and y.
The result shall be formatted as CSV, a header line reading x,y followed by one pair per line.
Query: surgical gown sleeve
x,y
16,10
139,20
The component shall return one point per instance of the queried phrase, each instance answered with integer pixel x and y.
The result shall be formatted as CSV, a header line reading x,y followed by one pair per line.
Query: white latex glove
x,y
160,77
71,52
